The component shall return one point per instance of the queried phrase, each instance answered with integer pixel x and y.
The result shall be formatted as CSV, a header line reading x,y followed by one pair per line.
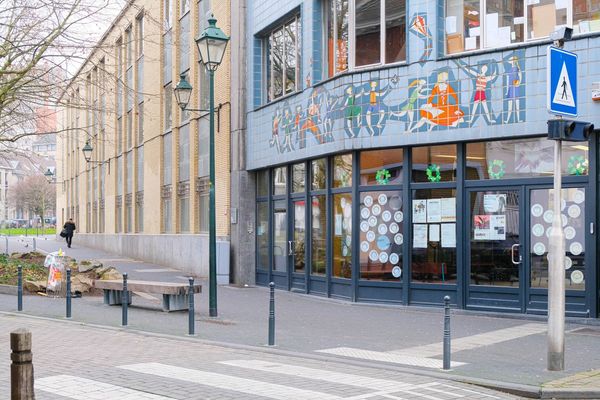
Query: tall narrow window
x,y
283,59
368,32
337,40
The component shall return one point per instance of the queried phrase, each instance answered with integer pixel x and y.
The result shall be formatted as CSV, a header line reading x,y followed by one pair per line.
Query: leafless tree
x,y
35,194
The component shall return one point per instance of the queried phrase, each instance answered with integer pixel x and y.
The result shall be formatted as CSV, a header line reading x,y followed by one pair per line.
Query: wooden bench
x,y
175,295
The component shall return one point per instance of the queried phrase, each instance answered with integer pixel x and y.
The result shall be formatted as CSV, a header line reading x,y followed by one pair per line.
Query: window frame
x,y
294,19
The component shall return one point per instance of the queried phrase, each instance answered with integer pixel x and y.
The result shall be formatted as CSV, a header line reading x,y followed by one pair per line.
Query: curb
x,y
522,390
570,393
8,289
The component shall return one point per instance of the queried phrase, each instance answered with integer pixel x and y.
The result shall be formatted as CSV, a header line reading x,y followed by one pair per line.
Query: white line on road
x,y
226,382
473,341
389,357
74,387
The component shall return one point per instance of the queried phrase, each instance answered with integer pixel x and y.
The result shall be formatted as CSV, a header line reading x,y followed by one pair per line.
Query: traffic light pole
x,y
556,274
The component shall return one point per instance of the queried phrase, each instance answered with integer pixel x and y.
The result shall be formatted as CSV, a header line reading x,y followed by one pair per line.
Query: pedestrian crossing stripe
x,y
77,388
564,92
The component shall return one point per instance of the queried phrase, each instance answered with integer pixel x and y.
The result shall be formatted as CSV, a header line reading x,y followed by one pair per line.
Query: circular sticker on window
x,y
396,272
574,211
386,216
538,230
383,258
394,258
395,202
364,213
373,255
376,209
398,216
394,228
382,199
364,246
537,210
382,229
568,263
548,216
579,197
576,248
372,221
539,248
569,233
548,232
368,201
364,226
577,276
398,238
370,236
564,219
383,243
563,204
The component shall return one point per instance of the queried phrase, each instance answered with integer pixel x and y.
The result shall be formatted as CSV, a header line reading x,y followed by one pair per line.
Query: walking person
x,y
69,228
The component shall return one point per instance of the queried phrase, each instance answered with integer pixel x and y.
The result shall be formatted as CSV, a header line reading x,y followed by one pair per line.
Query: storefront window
x,y
462,25
545,16
298,178
381,167
279,181
523,158
586,16
319,174
262,234
434,236
342,171
337,37
262,183
280,244
368,32
434,163
381,235
342,236
395,30
573,221
319,235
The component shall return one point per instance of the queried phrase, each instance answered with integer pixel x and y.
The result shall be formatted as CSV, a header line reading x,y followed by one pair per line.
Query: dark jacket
x,y
69,227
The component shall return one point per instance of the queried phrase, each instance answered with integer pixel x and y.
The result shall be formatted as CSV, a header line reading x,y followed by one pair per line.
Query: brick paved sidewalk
x,y
74,361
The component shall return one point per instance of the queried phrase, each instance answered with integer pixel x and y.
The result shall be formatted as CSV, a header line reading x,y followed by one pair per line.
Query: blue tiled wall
x,y
314,121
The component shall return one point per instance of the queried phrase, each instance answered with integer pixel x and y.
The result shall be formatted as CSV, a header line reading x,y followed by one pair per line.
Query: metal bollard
x,y
272,314
19,288
34,245
124,301
68,292
191,322
21,368
447,332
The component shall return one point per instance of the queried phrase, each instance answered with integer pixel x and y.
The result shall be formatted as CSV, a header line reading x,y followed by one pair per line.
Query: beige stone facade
x,y
147,183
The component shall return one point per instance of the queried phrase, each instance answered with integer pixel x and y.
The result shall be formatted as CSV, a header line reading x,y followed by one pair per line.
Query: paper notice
x,y
481,227
562,4
519,21
449,209
498,227
420,236
434,233
504,36
449,235
493,203
419,211
473,32
470,43
434,210
450,25
491,29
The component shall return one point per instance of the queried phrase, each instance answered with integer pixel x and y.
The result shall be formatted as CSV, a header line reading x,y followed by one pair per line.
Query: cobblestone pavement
x,y
75,361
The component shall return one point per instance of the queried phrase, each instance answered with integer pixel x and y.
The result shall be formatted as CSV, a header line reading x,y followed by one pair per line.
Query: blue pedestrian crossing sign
x,y
562,82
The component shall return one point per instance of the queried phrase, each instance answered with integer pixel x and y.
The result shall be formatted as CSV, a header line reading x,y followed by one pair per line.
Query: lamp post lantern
x,y
211,44
49,176
87,151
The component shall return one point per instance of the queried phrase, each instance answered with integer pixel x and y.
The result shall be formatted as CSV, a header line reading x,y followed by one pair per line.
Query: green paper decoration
x,y
383,176
577,165
497,169
433,173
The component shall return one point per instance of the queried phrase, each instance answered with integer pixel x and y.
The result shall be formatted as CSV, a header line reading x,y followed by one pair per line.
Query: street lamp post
x,y
211,44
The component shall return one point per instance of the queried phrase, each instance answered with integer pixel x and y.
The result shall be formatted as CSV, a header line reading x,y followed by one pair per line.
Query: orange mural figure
x,y
313,118
439,109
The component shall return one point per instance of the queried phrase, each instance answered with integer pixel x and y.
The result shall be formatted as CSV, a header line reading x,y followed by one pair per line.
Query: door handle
x,y
290,248
512,254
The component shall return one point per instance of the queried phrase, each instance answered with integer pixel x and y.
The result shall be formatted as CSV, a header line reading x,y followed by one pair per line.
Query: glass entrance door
x,y
280,245
495,249
297,247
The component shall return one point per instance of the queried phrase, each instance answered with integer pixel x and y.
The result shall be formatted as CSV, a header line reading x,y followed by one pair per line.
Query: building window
x,y
480,24
203,78
167,179
184,39
379,33
262,235
434,163
279,181
168,111
342,171
381,167
283,59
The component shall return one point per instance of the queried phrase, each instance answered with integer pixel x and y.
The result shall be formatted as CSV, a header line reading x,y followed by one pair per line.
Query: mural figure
x,y
439,109
300,134
410,107
418,27
287,126
375,108
481,79
514,78
331,103
352,113
274,142
314,118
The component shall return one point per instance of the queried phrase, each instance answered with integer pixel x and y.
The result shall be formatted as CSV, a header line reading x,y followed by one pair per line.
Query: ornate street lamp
x,y
49,176
87,154
211,45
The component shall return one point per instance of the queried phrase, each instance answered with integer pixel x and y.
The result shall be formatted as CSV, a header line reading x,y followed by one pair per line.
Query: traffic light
x,y
569,130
